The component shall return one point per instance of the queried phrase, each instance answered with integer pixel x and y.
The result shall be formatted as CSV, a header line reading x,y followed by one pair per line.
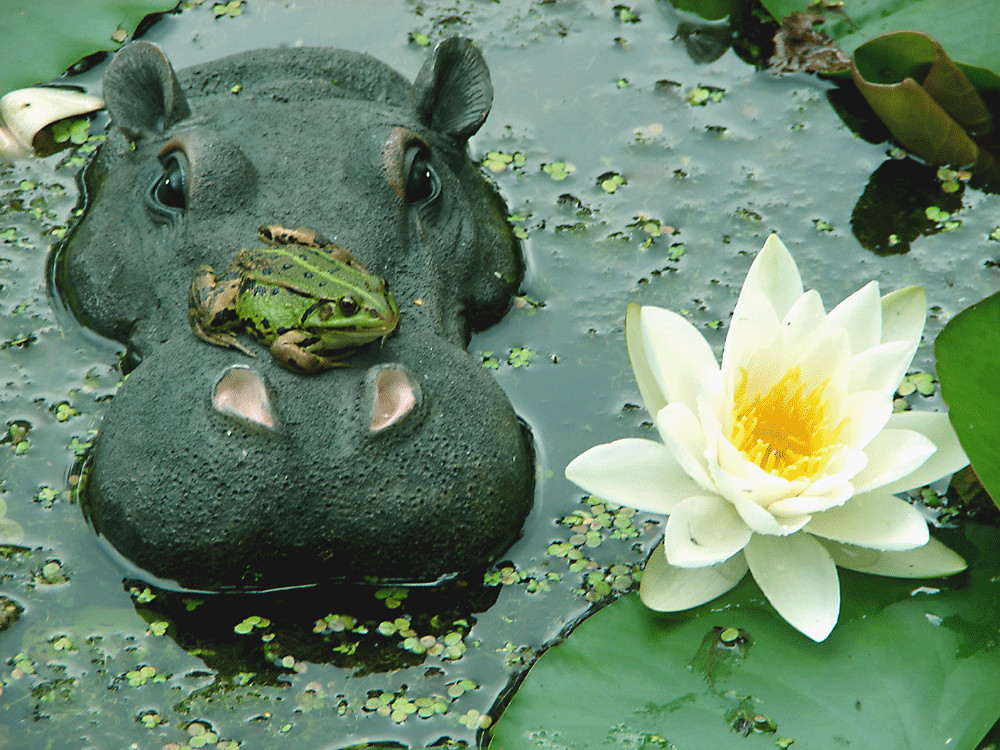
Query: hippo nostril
x,y
396,395
242,394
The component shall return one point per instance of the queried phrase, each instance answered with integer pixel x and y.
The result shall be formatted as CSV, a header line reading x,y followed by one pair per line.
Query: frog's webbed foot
x,y
211,308
288,350
219,338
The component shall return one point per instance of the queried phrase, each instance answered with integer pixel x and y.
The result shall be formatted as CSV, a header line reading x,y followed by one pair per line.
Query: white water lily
x,y
785,459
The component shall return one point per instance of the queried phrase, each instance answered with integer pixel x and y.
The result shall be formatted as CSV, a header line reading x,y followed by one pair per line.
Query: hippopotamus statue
x,y
294,247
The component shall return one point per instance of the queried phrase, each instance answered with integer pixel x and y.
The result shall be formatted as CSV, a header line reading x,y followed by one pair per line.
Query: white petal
x,y
867,413
682,434
903,314
808,504
736,472
821,355
702,531
947,459
861,316
679,356
763,521
25,112
803,319
893,454
930,561
880,368
754,326
845,464
641,474
774,274
669,589
879,521
800,580
10,147
652,395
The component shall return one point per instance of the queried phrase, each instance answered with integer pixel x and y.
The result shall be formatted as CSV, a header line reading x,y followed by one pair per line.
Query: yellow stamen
x,y
785,431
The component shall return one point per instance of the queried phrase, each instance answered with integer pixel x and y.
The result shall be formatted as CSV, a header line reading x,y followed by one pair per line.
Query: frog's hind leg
x,y
288,351
211,310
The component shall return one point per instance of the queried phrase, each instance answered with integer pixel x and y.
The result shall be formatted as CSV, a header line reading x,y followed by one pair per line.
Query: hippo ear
x,y
453,92
142,92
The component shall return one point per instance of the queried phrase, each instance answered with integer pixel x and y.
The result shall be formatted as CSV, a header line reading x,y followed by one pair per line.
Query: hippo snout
x,y
392,398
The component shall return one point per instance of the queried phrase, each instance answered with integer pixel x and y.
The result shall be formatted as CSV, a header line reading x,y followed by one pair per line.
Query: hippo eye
x,y
421,182
347,306
168,196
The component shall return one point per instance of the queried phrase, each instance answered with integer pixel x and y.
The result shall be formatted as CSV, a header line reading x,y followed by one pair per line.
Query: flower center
x,y
785,431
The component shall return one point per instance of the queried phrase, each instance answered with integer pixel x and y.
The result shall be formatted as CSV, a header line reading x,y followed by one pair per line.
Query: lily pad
x,y
41,40
929,103
909,666
967,364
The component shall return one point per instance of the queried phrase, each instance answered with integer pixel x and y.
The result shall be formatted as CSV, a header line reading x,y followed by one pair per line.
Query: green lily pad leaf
x,y
968,357
42,39
908,666
925,100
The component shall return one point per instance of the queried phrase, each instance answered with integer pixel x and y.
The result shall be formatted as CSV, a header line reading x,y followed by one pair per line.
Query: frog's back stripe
x,y
341,280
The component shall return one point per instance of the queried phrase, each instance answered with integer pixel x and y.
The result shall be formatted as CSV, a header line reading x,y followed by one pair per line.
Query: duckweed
x,y
144,674
52,573
520,357
610,182
247,625
921,382
558,170
498,161
393,597
231,9
699,96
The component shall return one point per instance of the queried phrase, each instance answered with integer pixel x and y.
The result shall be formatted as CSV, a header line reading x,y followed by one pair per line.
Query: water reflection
x,y
895,207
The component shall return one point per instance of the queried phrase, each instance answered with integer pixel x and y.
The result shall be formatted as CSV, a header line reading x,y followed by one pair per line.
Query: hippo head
x,y
215,469
328,139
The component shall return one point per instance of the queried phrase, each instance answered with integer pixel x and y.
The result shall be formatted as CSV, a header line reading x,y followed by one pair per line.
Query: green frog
x,y
311,300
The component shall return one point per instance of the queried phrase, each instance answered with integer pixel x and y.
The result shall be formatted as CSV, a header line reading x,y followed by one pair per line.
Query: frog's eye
x,y
168,194
347,306
420,180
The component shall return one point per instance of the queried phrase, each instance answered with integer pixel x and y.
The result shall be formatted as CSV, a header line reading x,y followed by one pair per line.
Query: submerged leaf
x,y
798,46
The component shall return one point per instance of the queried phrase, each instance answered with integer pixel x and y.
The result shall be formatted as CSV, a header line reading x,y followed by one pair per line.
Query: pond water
x,y
639,169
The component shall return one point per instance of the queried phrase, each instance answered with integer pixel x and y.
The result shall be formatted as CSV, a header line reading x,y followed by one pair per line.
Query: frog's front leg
x,y
287,349
212,309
